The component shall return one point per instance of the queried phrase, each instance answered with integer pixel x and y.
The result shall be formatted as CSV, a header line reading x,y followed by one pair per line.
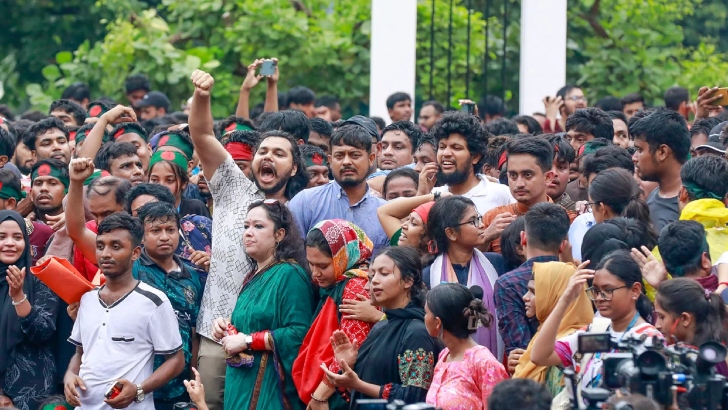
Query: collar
x,y
539,259
342,193
183,273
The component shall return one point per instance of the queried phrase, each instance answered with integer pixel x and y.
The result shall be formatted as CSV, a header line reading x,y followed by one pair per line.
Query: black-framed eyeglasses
x,y
589,206
607,294
476,220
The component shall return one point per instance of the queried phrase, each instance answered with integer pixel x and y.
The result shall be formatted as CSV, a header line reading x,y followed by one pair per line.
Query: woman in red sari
x,y
338,253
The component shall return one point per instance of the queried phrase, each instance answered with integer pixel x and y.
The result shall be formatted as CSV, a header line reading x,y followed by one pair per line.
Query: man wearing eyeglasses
x,y
567,100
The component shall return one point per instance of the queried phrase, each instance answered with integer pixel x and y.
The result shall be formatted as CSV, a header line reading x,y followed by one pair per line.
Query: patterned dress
x,y
466,384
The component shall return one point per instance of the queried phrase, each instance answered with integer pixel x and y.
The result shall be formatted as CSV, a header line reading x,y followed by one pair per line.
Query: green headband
x,y
234,126
699,193
174,140
57,406
316,159
7,192
169,156
98,173
122,129
46,170
96,110
81,136
679,271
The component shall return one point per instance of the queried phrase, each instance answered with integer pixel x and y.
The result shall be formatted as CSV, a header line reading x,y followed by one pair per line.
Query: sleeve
x,y
40,325
164,330
76,337
297,206
198,298
576,236
566,347
512,321
228,183
294,314
488,374
416,361
356,330
723,258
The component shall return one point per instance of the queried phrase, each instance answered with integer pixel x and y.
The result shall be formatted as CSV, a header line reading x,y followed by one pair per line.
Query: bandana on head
x,y
57,406
169,156
46,170
96,110
122,129
81,136
236,127
7,192
239,151
174,140
350,247
72,135
424,210
315,159
98,173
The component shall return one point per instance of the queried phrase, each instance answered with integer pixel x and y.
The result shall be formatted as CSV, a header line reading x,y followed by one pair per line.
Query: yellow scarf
x,y
551,279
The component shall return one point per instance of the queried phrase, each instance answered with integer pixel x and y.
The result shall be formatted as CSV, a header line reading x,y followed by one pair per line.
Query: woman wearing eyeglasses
x,y
272,314
617,293
457,230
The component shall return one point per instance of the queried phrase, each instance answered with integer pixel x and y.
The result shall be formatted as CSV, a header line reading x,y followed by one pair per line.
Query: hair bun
x,y
477,291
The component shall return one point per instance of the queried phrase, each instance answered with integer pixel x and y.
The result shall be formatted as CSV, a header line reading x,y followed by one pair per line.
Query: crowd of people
x,y
287,258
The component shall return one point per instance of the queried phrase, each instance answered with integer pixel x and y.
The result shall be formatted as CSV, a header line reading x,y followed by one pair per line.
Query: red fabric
x,y
239,151
83,265
548,129
316,349
356,330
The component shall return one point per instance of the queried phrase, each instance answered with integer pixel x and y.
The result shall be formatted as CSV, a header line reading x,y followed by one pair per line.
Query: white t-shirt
x,y
486,195
578,229
119,341
232,193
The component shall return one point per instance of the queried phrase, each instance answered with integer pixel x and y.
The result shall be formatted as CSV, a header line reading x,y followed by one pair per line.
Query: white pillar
x,y
393,52
543,52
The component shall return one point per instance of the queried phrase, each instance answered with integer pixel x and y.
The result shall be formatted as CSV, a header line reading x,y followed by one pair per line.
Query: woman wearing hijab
x,y
27,320
457,230
338,254
549,283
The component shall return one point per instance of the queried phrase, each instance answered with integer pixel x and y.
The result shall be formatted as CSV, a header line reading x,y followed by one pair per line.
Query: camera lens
x,y
651,363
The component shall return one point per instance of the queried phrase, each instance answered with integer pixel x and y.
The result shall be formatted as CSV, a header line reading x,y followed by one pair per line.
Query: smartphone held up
x,y
268,67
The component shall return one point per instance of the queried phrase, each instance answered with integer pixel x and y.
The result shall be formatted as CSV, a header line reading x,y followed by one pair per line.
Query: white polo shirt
x,y
119,341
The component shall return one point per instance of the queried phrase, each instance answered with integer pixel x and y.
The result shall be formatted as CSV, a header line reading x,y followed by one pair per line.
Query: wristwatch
x,y
140,394
248,340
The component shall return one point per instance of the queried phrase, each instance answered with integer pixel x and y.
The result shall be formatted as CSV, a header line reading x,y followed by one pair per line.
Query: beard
x,y
281,184
456,177
349,181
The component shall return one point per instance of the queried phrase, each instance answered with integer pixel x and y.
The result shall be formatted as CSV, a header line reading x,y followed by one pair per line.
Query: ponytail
x,y
460,309
618,189
684,295
637,209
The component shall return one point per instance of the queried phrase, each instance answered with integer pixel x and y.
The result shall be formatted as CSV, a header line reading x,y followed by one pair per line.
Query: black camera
x,y
655,370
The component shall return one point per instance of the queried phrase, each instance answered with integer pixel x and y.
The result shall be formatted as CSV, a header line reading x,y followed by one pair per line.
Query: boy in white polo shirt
x,y
120,327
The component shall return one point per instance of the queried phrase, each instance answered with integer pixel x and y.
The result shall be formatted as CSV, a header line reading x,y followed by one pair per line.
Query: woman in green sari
x,y
271,317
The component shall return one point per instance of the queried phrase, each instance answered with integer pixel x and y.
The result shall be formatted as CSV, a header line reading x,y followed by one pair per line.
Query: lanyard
x,y
595,381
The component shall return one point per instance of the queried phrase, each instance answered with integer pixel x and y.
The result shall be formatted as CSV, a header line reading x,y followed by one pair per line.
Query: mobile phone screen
x,y
268,67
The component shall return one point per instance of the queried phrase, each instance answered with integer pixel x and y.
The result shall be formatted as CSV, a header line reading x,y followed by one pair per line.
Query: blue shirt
x,y
329,201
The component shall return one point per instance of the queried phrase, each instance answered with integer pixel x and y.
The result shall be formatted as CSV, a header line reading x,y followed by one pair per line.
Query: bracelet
x,y
14,303
436,195
258,341
314,398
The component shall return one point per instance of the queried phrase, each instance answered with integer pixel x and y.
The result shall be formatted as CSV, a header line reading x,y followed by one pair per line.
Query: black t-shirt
x,y
193,207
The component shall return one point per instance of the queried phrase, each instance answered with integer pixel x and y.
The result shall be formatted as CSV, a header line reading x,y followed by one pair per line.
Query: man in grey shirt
x,y
662,143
